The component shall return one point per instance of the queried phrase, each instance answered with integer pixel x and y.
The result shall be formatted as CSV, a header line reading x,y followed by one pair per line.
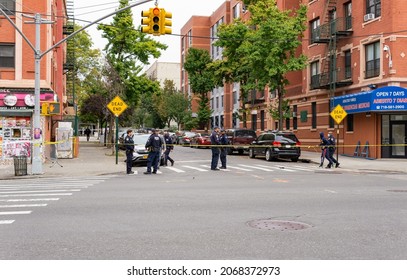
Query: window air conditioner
x,y
368,17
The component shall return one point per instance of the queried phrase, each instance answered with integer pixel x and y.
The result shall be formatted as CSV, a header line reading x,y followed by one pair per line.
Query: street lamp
x,y
386,48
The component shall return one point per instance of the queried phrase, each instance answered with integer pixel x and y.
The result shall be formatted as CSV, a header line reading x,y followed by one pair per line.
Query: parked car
x,y
200,140
185,139
140,153
240,139
276,144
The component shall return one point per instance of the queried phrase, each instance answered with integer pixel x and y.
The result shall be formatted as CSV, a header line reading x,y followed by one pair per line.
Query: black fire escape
x,y
331,30
69,65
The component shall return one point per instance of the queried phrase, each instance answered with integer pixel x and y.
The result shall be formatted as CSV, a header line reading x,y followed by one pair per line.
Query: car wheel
x,y
251,153
268,155
240,152
294,159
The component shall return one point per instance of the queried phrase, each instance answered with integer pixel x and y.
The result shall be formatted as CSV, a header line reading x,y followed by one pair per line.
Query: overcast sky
x,y
182,10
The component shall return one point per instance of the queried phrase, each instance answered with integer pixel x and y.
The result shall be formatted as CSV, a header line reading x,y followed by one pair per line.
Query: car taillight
x,y
298,143
276,144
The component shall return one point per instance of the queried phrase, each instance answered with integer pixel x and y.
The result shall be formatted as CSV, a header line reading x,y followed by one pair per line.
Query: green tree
x,y
274,44
200,75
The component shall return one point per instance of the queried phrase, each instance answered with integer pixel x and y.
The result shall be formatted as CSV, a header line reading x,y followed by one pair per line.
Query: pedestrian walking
x,y
154,145
87,133
224,141
331,149
168,149
129,144
215,142
324,150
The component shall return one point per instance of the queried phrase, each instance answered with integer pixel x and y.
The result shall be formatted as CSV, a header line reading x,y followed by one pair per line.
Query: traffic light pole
x,y
37,161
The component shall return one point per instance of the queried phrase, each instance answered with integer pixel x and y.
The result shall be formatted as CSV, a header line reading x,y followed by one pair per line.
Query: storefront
x,y
16,122
380,119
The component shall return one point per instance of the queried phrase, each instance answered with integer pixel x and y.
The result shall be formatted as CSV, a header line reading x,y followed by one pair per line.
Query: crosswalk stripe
x,y
302,168
6,222
278,167
29,199
195,168
257,167
34,194
175,169
22,205
43,191
16,213
239,168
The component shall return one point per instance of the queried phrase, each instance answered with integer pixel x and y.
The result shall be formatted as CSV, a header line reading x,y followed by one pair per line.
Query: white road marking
x,y
257,167
29,199
22,205
239,168
16,213
175,169
195,168
6,222
34,194
43,191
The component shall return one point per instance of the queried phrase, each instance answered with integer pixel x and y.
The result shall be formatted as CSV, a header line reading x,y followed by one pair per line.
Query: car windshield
x,y
140,139
291,137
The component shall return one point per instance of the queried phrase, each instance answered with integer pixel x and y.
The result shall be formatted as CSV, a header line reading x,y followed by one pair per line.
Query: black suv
x,y
240,139
276,144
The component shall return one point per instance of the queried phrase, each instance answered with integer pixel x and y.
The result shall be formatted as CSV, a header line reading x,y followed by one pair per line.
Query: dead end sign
x,y
117,106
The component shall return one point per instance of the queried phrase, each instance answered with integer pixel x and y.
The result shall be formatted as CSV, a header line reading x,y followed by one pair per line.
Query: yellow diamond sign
x,y
117,106
338,114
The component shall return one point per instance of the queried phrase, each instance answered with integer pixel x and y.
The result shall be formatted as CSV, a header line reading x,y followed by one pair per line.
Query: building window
x,y
314,114
372,53
348,65
295,119
348,15
8,6
374,7
314,74
7,53
287,123
235,97
315,30
349,122
254,122
262,118
190,38
236,11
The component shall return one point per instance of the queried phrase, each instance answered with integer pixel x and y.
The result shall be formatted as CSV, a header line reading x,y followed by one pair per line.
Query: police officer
x,y
224,141
215,141
331,149
154,144
324,150
129,144
168,149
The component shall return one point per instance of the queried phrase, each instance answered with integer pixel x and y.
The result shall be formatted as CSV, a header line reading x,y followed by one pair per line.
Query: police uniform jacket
x,y
154,143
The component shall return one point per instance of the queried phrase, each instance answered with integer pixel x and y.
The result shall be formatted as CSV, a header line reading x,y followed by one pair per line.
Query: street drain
x,y
397,190
270,224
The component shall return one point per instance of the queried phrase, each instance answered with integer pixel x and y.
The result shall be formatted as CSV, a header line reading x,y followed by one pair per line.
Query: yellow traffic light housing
x,y
166,22
156,20
146,23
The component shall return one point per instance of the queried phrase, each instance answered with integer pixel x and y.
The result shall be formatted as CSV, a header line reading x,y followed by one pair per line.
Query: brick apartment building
x,y
357,59
17,73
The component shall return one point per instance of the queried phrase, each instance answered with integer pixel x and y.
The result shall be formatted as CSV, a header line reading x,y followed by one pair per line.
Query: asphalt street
x,y
255,210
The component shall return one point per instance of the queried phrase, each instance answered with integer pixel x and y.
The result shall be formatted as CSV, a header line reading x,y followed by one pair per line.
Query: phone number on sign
x,y
250,270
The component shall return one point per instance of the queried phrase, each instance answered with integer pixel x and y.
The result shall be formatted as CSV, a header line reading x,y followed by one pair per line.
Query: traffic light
x,y
156,20
166,22
146,23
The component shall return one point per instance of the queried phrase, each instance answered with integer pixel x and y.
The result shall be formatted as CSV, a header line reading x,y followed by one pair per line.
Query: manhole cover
x,y
269,224
397,190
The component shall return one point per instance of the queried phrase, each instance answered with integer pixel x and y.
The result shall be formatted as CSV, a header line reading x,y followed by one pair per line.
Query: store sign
x,y
19,100
382,99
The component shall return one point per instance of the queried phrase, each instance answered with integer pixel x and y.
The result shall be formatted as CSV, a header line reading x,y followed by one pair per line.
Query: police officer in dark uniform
x,y
129,144
215,141
331,148
224,141
153,144
169,148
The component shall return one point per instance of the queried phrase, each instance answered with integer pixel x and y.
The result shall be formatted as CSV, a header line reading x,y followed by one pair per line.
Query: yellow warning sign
x,y
117,106
338,114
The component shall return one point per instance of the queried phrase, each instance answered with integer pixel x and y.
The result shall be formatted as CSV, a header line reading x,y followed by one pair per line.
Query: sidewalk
x,y
96,159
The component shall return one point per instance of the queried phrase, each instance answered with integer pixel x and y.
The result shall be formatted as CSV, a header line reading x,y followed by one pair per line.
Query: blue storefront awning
x,y
383,99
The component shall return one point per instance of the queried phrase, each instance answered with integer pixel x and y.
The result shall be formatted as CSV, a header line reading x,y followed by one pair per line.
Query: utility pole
x,y
37,161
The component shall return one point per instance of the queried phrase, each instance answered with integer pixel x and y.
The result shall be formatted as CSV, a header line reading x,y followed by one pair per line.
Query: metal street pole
x,y
37,161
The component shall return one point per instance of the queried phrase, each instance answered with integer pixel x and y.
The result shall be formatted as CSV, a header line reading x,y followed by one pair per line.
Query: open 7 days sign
x,y
117,106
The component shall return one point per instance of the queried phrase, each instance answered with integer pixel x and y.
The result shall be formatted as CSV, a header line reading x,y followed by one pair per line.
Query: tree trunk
x,y
280,107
